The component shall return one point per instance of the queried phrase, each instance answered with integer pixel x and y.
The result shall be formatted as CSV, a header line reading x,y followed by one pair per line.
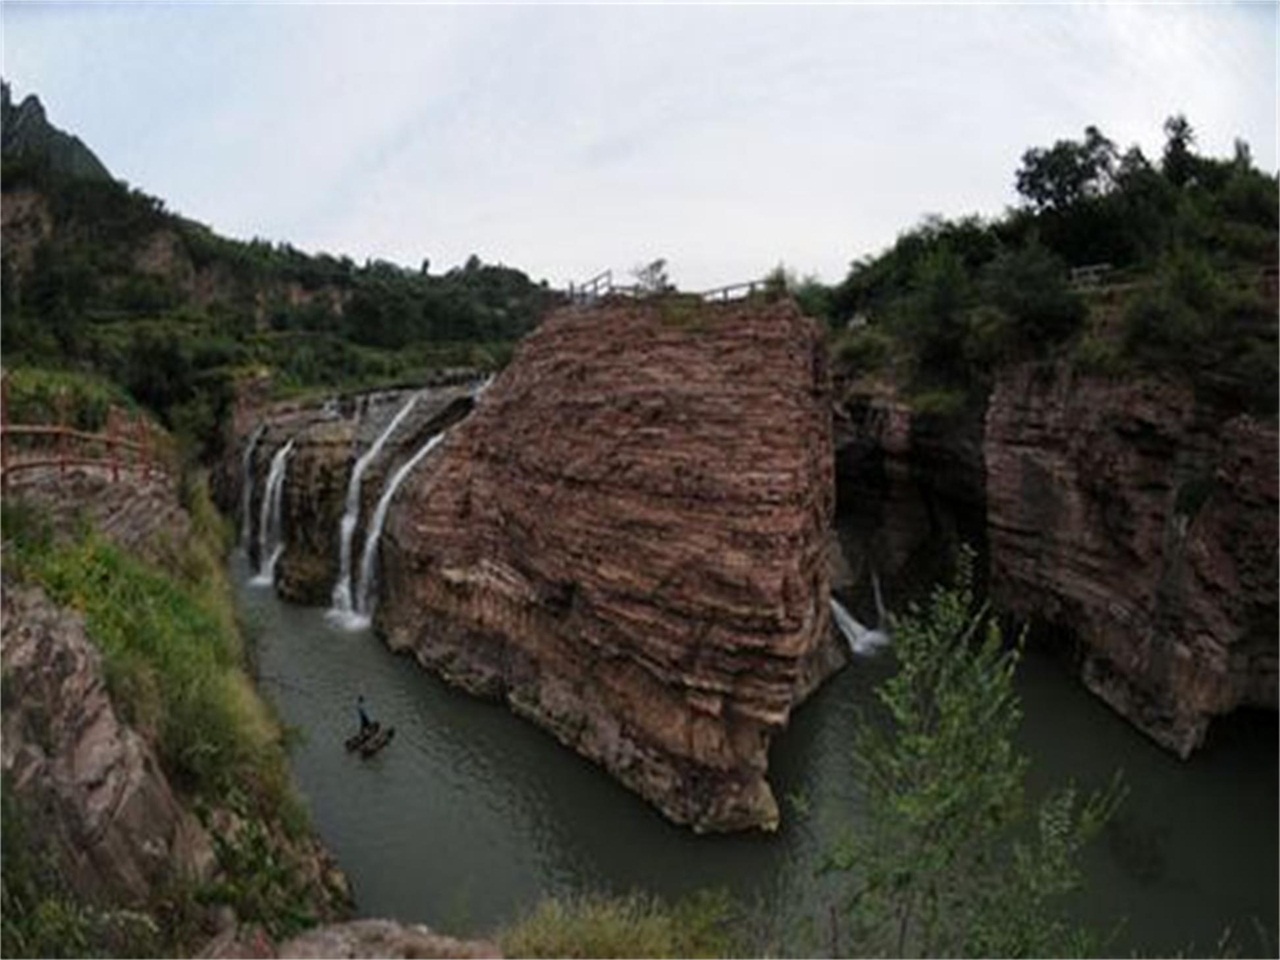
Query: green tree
x,y
952,860
1178,162
652,277
1067,172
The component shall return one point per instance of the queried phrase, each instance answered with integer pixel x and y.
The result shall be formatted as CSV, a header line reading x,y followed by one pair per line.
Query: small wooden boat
x,y
376,742
370,740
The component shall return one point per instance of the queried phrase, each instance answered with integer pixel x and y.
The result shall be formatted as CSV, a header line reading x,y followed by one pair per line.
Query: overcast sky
x,y
567,139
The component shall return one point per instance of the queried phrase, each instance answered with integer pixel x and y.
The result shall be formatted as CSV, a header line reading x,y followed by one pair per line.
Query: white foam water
x,y
341,597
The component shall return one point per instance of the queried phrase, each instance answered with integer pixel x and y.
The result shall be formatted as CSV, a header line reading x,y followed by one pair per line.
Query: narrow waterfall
x,y
270,523
363,611
881,617
246,487
862,641
341,601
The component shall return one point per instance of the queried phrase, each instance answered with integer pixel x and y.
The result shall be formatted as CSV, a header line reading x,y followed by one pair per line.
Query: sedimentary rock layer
x,y
1130,516
627,541
104,807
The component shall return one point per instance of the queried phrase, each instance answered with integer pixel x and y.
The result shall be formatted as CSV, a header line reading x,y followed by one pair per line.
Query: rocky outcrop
x,y
627,542
105,809
354,939
1132,517
383,938
25,130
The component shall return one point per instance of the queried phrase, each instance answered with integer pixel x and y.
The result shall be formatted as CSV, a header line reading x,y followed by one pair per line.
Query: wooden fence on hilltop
x,y
129,443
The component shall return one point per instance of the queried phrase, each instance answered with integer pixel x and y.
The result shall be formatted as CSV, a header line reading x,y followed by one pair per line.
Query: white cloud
x,y
567,139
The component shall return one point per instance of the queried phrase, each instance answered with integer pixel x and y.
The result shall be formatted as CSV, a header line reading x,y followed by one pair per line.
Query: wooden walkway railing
x,y
602,285
128,443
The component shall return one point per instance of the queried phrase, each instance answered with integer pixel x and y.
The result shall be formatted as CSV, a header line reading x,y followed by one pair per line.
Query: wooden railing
x,y
734,291
602,285
128,444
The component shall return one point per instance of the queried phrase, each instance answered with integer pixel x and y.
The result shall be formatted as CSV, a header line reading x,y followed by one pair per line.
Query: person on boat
x,y
365,723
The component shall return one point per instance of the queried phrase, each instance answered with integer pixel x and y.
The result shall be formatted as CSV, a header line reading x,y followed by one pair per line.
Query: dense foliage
x,y
1181,242
951,859
175,313
631,926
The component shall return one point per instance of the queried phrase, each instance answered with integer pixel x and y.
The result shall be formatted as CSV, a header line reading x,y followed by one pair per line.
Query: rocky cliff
x,y
626,541
25,130
1130,516
106,811
1122,517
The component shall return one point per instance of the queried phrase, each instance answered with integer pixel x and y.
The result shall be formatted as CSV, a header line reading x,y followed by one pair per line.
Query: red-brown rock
x,y
1131,516
627,541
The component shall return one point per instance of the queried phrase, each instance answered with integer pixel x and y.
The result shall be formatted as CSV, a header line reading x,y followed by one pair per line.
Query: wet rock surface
x,y
328,438
627,541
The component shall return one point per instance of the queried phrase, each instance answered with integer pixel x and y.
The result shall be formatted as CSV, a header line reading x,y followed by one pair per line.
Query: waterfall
x,y
351,515
270,523
881,618
246,487
862,641
360,616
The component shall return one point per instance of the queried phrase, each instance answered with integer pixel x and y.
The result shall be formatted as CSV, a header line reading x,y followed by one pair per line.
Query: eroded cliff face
x,y
105,809
1125,517
1128,515
627,542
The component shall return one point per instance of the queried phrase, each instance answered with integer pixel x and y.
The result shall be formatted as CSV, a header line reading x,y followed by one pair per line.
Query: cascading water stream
x,y
862,641
270,524
342,606
246,487
362,614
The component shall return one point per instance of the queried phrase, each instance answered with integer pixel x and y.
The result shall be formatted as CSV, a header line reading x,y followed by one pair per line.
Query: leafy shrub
x,y
1029,285
863,350
940,404
172,658
951,861
631,926
1099,356
38,395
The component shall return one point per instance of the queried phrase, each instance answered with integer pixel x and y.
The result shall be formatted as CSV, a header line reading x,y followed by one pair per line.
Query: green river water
x,y
472,814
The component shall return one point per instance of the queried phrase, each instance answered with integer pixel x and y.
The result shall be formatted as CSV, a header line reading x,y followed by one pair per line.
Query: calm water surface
x,y
472,814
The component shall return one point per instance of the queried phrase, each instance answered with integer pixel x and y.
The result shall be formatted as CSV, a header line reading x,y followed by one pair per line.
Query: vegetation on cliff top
x,y
1184,241
120,286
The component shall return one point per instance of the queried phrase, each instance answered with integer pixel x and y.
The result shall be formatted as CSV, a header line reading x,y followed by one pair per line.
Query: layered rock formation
x,y
106,811
1122,512
1126,518
627,542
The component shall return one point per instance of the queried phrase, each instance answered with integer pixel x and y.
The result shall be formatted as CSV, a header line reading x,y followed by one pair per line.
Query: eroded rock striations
x,y
627,542
1127,514
106,810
